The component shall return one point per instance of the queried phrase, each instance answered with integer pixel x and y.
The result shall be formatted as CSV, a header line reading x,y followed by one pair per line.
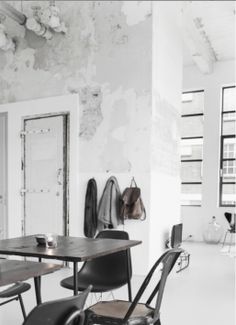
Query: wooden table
x,y
12,271
70,249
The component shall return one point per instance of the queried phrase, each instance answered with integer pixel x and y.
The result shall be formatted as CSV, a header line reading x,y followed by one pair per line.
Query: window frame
x,y
190,138
222,159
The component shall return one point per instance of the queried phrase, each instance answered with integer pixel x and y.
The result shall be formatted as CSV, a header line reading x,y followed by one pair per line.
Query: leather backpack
x,y
132,206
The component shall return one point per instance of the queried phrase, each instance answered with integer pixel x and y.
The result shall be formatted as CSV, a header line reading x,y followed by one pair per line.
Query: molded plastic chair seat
x,y
105,273
120,312
66,311
16,289
84,280
14,293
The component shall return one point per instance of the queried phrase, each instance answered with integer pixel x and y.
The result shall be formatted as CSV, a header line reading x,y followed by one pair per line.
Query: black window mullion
x,y
222,159
228,159
191,160
192,138
192,115
228,112
191,183
230,183
193,91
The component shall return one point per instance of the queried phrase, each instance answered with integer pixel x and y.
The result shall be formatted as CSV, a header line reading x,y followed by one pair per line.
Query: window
x,y
228,147
191,147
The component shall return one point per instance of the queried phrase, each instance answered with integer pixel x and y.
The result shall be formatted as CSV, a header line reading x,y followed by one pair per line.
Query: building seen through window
x,y
228,147
192,118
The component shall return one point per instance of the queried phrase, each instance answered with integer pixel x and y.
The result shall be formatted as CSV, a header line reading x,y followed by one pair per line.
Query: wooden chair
x,y
120,312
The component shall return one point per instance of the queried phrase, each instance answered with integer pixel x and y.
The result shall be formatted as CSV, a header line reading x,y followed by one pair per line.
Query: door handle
x,y
59,174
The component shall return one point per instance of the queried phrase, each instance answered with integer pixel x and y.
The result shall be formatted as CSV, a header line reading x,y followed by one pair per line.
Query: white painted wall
x,y
15,113
167,84
194,218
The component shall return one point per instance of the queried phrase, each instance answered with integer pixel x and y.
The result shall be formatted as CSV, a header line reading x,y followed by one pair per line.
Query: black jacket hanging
x,y
90,209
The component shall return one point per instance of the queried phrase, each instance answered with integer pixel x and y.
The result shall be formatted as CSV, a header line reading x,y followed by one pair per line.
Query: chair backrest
x,y
230,217
111,268
176,235
59,312
168,260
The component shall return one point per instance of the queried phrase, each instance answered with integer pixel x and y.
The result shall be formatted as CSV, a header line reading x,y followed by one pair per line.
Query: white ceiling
x,y
215,24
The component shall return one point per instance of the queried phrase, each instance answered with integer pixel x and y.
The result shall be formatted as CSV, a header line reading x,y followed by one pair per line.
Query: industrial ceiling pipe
x,y
11,12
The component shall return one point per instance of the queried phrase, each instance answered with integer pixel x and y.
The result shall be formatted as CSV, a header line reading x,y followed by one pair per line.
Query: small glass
x,y
51,240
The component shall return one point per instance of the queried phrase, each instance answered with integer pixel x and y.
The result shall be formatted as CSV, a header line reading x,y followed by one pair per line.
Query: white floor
x,y
203,294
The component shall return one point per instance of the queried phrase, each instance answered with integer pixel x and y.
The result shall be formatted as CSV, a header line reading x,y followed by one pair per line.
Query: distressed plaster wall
x,y
105,58
123,59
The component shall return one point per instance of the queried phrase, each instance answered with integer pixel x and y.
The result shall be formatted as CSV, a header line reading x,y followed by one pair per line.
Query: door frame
x,y
66,163
5,170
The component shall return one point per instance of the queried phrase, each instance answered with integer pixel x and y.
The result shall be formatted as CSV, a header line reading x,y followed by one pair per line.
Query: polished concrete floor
x,y
202,294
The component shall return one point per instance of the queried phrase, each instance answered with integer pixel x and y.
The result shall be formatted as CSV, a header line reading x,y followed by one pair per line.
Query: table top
x,y
12,271
72,249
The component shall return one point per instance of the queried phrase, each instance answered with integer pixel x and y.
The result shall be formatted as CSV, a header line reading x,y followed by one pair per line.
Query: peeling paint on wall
x,y
136,11
109,45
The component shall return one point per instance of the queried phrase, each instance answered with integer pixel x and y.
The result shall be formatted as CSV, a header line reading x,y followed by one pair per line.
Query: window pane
x,y
229,171
191,194
192,103
192,126
229,123
229,103
191,171
191,148
228,194
229,149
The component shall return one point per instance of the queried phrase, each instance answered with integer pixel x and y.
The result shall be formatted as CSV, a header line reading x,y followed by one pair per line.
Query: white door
x,y
44,171
3,176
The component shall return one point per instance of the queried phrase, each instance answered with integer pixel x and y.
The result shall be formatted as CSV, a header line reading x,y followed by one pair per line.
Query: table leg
x,y
75,267
40,260
129,275
37,290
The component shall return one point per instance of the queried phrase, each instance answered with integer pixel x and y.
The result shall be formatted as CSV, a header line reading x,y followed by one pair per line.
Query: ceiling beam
x,y
197,41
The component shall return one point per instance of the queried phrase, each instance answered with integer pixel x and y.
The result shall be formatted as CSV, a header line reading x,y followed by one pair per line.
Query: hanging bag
x,y
132,206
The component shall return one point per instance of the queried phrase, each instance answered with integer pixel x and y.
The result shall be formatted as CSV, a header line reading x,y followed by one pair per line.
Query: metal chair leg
x,y
230,243
22,306
225,238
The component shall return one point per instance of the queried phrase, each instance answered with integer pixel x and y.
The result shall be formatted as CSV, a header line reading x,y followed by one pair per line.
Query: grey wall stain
x,y
90,98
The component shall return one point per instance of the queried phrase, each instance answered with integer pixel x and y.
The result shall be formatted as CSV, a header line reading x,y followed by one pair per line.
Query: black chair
x,y
105,273
230,217
120,312
14,292
66,311
175,242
